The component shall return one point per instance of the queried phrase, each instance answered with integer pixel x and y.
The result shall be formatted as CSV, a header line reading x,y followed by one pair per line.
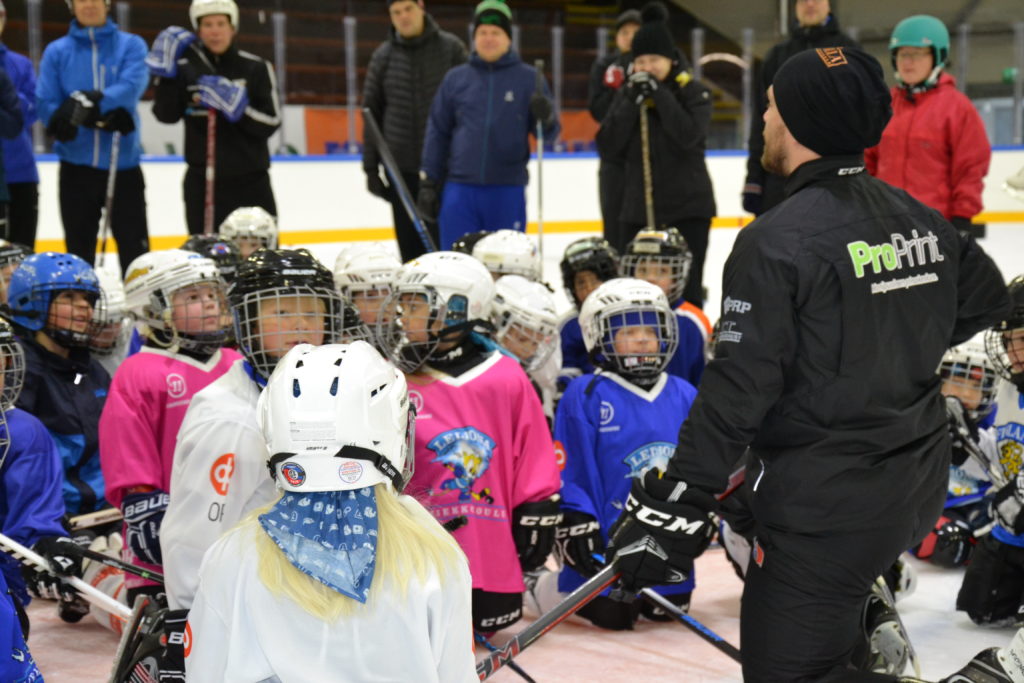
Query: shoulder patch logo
x,y
832,56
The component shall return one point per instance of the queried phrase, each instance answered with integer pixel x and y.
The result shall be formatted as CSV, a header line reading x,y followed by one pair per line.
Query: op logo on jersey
x,y
176,387
650,455
293,473
467,453
220,473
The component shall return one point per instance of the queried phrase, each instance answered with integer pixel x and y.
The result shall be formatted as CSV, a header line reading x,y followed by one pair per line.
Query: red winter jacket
x,y
935,148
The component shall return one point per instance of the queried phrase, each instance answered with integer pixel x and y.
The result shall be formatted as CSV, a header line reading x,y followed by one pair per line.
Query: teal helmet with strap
x,y
922,30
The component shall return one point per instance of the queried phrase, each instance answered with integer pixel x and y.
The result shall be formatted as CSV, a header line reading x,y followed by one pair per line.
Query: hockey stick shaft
x,y
539,66
480,638
645,153
686,620
955,411
556,615
397,182
93,595
91,519
122,565
211,170
108,204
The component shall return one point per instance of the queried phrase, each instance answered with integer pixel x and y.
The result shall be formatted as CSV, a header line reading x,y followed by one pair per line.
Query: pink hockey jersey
x,y
482,448
147,401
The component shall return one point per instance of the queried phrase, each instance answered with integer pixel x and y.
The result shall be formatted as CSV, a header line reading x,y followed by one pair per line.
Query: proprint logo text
x,y
901,252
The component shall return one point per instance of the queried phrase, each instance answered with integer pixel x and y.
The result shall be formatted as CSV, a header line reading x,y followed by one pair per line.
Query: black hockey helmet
x,y
221,251
13,252
465,244
666,247
277,275
595,254
1007,336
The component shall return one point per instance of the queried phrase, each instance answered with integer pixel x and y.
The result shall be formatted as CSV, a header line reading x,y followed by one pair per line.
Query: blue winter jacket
x,y
19,160
97,58
479,123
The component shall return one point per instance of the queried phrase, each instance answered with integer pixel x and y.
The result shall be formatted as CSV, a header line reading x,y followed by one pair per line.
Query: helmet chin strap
x,y
927,84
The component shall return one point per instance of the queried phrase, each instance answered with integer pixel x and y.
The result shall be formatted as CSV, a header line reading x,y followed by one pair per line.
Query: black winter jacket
x,y
838,305
679,125
241,146
599,94
800,39
403,75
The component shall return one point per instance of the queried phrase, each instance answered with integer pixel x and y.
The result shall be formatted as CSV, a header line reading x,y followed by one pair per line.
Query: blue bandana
x,y
330,535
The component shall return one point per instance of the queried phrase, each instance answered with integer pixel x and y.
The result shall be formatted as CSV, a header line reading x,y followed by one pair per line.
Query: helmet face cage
x,y
1004,342
528,331
668,272
111,327
60,323
197,316
406,327
590,253
250,228
11,255
13,371
269,322
635,340
968,374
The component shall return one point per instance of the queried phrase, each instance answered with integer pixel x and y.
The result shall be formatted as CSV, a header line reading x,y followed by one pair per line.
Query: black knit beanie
x,y
630,16
833,99
653,37
494,12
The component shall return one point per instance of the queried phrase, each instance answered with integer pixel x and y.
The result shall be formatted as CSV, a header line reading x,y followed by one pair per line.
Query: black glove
x,y
86,108
1006,505
428,201
666,525
963,431
143,514
172,659
642,86
375,184
64,559
753,200
117,121
533,530
541,109
577,539
960,223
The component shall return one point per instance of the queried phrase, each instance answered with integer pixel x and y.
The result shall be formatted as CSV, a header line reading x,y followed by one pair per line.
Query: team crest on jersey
x,y
467,452
1010,438
650,455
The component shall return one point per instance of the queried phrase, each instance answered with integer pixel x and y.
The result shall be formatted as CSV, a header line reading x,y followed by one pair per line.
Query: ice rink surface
x,y
577,651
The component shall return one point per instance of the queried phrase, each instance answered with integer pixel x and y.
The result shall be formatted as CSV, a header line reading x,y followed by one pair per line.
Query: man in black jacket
x,y
607,75
211,77
837,308
815,26
404,73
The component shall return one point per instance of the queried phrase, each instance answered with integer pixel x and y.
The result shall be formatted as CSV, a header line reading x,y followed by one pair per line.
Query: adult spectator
x,y
815,26
19,161
606,77
90,82
477,143
935,146
196,79
404,73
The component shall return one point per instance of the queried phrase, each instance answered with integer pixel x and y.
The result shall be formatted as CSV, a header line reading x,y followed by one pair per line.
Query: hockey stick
x,y
33,559
556,615
108,206
686,620
479,637
121,564
144,622
645,151
539,67
955,412
91,519
211,170
395,175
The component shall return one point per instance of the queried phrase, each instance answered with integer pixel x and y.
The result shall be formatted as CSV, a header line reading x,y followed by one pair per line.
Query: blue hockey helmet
x,y
38,279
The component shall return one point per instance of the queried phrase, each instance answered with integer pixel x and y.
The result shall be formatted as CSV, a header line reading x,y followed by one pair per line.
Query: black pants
x,y
250,189
410,245
695,232
611,178
23,213
83,192
993,588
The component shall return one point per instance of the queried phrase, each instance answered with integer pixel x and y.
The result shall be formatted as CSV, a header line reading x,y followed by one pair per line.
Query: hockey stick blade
x,y
553,617
391,168
125,647
91,519
686,620
91,594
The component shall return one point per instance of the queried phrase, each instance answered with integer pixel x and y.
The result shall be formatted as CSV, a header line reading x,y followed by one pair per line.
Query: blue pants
x,y
471,208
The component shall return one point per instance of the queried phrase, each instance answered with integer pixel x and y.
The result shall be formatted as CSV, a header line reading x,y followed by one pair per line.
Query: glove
x,y
960,223
375,184
541,109
533,530
79,109
172,659
963,431
117,121
614,76
642,86
143,513
577,539
167,49
753,200
428,201
666,525
62,555
224,95
1006,505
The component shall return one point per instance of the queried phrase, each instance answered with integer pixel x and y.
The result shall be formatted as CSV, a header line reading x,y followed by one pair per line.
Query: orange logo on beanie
x,y
832,56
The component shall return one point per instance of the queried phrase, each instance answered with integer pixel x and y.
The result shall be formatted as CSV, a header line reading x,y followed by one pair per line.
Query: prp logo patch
x,y
832,56
220,473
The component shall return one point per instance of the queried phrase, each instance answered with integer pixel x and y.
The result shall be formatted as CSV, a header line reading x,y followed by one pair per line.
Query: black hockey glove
x,y
533,530
375,184
1006,506
676,522
963,431
642,86
60,553
541,109
172,659
143,514
577,539
117,121
428,201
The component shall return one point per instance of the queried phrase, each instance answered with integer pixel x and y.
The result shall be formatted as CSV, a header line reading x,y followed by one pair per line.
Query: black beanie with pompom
x,y
654,37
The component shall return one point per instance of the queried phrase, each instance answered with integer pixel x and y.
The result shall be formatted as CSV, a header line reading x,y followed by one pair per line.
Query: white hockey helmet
x,y
969,374
337,417
203,8
458,291
524,319
250,223
661,255
361,267
113,322
150,283
509,252
629,303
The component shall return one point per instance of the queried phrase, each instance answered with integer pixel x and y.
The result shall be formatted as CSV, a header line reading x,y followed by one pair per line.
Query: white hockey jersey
x,y
219,475
239,631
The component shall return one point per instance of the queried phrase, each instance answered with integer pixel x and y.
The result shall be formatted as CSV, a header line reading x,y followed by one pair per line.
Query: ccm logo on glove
x,y
660,520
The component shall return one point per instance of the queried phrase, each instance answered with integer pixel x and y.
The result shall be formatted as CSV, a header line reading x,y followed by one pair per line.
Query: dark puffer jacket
x,y
403,75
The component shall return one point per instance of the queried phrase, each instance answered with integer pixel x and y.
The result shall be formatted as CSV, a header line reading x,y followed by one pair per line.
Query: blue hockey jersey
x,y
608,431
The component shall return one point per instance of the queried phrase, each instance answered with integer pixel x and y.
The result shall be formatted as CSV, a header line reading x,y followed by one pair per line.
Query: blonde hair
x,y
411,545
